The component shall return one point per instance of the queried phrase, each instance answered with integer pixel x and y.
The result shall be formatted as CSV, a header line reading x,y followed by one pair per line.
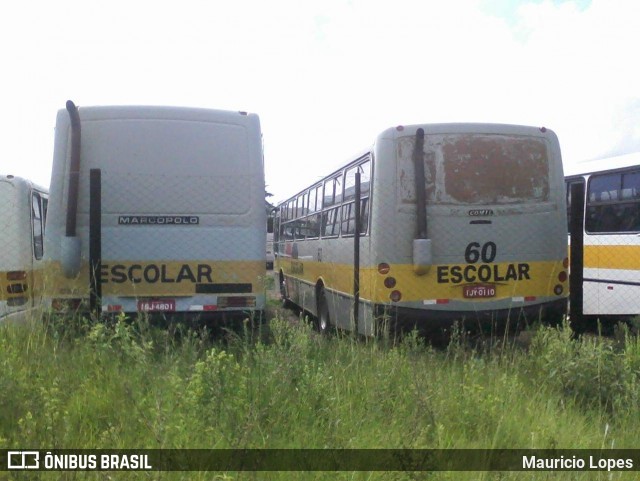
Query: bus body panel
x,y
611,287
494,257
183,225
23,214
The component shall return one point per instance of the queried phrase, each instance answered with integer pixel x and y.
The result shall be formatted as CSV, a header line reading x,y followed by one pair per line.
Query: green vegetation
x,y
116,385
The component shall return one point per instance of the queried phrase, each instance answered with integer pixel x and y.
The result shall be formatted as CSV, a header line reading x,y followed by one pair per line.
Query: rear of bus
x,y
488,243
182,212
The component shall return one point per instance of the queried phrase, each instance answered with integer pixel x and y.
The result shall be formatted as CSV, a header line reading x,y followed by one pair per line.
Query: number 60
x,y
475,252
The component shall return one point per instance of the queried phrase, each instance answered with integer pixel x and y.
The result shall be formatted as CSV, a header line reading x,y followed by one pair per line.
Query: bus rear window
x,y
480,169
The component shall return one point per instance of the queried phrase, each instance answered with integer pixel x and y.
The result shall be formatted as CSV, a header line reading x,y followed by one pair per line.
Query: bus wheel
x,y
324,320
284,295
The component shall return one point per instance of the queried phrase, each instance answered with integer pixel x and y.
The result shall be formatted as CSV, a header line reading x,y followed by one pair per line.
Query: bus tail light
x,y
236,301
395,296
16,275
384,268
565,263
390,282
562,277
17,288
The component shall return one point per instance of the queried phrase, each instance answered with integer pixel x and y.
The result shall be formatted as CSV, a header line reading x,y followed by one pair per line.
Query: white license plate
x,y
157,305
479,291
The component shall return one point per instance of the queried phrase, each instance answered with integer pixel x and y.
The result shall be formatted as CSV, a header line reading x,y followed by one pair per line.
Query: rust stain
x,y
495,169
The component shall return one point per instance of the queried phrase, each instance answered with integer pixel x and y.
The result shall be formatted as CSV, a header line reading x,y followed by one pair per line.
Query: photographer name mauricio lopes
x,y
575,462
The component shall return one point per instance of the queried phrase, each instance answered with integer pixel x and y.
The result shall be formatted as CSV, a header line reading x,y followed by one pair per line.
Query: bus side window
x,y
349,217
312,200
331,222
631,195
318,197
348,209
332,191
613,203
350,180
45,205
36,216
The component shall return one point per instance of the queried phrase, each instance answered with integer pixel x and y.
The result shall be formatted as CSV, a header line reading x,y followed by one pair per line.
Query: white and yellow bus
x,y
611,284
181,216
22,217
485,245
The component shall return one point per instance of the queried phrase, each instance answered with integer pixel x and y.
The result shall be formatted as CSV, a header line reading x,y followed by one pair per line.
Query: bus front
x,y
478,217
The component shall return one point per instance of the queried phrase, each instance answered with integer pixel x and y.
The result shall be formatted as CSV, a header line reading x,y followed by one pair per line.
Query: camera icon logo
x,y
23,460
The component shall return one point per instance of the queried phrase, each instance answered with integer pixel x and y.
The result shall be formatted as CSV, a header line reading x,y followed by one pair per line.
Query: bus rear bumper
x,y
430,321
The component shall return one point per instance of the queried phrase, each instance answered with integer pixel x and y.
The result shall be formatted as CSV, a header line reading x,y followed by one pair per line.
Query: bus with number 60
x,y
453,222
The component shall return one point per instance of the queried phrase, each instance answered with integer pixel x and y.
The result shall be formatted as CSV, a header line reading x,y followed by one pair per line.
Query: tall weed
x,y
593,371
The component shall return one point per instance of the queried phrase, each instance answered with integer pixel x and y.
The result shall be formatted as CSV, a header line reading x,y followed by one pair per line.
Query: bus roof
x,y
462,128
605,164
21,181
156,112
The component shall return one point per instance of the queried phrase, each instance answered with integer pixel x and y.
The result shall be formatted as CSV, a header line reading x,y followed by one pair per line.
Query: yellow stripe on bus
x,y
612,257
525,279
157,278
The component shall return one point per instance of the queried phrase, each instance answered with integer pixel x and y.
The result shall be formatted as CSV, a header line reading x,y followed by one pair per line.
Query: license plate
x,y
478,291
157,305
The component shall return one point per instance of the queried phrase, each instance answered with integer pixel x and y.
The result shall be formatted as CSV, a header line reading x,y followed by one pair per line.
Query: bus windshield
x,y
467,169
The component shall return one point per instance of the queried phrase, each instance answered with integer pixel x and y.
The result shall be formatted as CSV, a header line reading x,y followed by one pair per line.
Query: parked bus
x,y
23,213
181,217
485,245
611,284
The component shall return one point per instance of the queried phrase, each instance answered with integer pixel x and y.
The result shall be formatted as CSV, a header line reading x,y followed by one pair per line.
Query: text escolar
x,y
483,273
154,273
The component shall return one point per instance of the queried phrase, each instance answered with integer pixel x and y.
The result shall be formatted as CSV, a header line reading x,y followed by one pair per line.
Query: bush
x,y
593,371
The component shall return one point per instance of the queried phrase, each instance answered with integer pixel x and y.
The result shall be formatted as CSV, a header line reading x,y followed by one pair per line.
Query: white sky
x,y
325,76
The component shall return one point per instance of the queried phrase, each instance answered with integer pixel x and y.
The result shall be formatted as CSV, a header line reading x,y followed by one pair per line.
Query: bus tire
x,y
323,322
285,302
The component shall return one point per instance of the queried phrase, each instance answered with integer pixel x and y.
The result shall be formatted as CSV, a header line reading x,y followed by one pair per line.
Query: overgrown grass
x,y
75,384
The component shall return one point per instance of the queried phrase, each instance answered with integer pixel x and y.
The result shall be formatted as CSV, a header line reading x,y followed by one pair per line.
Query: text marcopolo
x,y
160,220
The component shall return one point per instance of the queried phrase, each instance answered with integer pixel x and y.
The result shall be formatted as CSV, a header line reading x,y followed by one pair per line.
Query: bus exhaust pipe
x,y
422,256
70,243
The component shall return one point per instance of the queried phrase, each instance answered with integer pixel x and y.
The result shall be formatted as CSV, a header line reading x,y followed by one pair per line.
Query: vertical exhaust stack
x,y
71,242
422,257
